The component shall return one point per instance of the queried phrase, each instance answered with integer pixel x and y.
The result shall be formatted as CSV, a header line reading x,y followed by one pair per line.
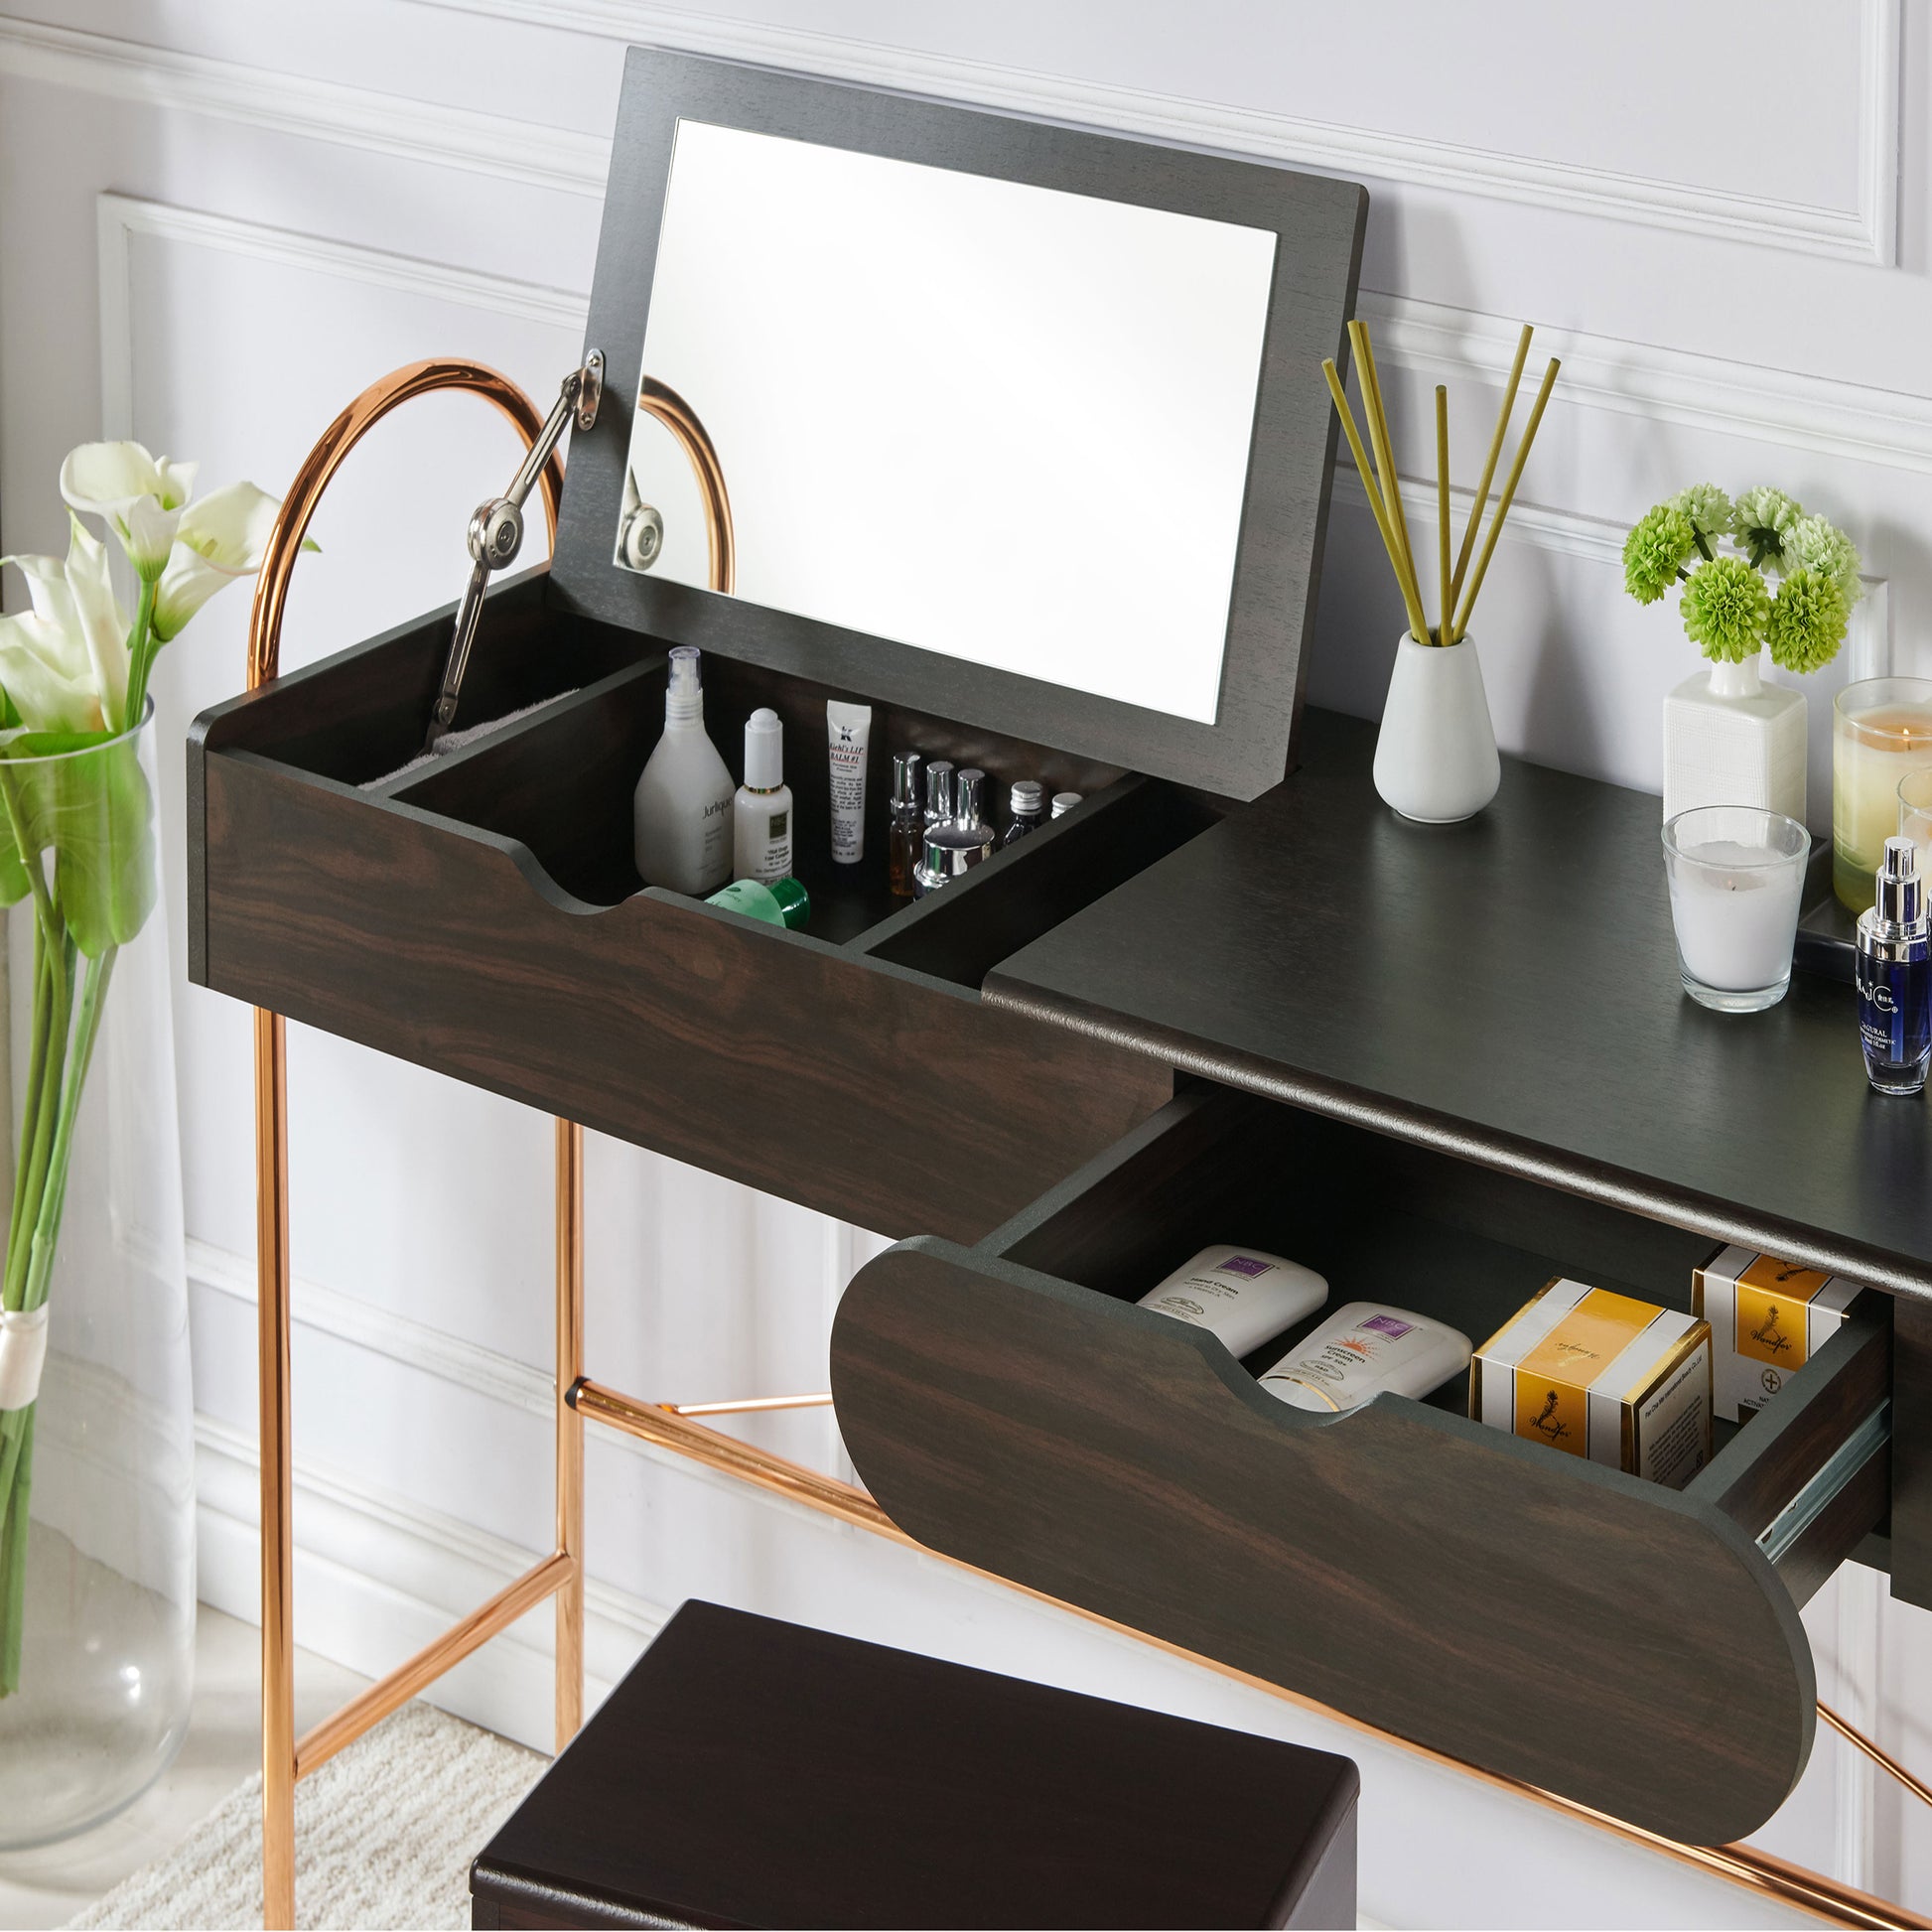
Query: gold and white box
x,y
1767,1318
1602,1375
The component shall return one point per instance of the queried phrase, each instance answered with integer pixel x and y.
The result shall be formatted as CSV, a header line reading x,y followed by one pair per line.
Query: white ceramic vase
x,y
1436,759
1731,739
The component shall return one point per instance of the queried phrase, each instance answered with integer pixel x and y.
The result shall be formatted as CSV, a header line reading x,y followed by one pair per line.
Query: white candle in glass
x,y
1736,916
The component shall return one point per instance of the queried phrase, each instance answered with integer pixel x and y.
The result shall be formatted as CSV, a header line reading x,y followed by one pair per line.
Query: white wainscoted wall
x,y
219,219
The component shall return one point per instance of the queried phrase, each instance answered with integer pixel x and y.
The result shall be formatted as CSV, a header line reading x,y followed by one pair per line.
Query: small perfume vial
x,y
939,792
1027,803
907,832
969,808
1894,975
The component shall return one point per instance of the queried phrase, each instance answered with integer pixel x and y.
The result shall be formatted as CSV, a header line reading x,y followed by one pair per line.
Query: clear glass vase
x,y
98,1571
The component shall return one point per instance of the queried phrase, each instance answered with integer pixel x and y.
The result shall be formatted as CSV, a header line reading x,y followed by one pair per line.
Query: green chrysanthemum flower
x,y
1807,622
1725,607
1655,551
1760,519
1813,544
1707,507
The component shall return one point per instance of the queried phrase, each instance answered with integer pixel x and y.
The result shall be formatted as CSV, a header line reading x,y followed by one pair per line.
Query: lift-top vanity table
x,y
1229,997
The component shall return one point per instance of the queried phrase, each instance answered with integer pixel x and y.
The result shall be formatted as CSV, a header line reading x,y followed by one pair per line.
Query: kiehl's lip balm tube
x,y
1242,1296
1363,1349
848,729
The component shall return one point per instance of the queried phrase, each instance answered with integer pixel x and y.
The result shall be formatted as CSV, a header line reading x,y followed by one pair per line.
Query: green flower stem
x,y
13,1551
39,1207
38,1152
36,1073
73,1081
142,648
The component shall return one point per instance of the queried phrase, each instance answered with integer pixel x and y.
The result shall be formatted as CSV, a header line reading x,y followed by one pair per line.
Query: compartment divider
x,y
1026,889
559,781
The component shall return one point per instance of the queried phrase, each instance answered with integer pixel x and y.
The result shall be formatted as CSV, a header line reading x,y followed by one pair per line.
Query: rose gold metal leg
x,y
1885,1760
570,1428
391,1693
277,1532
271,1103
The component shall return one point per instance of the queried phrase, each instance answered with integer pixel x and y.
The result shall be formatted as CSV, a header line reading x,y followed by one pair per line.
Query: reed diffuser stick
x,y
1508,497
1378,431
1367,474
1481,502
1441,511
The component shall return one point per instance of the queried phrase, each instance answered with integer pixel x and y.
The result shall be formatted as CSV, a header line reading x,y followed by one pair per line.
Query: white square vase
x,y
1731,739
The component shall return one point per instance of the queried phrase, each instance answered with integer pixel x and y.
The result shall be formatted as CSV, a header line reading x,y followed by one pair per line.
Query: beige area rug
x,y
383,1836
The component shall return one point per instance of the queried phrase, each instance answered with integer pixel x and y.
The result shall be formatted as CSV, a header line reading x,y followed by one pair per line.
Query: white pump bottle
x,y
682,811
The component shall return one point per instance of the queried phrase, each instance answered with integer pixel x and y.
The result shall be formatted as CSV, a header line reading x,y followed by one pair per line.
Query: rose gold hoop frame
x,y
666,1426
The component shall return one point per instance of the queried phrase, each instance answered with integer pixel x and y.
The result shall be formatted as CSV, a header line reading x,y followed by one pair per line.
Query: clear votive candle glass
x,y
1915,814
1737,875
1881,733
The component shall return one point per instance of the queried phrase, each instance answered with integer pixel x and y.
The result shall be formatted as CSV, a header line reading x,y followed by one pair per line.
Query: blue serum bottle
x,y
1894,975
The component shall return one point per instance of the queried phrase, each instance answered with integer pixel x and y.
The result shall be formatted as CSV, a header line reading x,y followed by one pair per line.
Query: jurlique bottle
x,y
1064,803
762,811
682,810
1894,975
1026,802
907,826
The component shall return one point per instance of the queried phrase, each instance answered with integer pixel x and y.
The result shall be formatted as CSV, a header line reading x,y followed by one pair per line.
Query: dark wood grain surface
x,y
1911,1453
751,1772
1318,224
1506,990
867,1091
1525,1611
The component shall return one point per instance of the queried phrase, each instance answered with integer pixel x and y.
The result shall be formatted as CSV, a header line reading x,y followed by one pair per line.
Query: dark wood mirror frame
x,y
1318,223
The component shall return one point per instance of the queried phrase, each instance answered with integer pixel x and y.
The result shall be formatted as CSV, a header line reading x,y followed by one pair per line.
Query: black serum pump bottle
x,y
1894,975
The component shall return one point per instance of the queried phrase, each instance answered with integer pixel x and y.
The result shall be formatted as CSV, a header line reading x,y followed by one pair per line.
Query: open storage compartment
x,y
1629,1647
480,914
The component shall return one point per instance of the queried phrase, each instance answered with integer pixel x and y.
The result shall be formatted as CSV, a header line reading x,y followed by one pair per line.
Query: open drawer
x,y
1631,1647
482,915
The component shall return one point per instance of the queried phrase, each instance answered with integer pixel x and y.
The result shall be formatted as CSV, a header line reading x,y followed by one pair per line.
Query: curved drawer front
x,y
1595,1635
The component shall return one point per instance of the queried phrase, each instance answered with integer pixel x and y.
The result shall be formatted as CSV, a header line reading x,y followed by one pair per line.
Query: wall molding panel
x,y
577,162
1868,232
297,104
120,217
1713,393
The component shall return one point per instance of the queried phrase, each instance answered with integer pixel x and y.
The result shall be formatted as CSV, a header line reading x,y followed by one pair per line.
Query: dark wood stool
x,y
752,1773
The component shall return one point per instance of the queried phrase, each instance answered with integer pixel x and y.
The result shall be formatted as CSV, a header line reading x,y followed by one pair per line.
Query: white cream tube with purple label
x,y
1363,1349
1240,1294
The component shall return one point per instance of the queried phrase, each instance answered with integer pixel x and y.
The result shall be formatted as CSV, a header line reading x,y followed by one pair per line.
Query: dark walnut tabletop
x,y
1505,989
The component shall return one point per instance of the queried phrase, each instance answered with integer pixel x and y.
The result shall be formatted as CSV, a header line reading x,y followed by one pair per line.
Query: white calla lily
x,y
221,537
139,497
46,667
103,621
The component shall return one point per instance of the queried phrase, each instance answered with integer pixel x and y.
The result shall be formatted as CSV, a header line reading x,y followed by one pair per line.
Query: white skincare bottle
x,y
682,811
1363,1349
1240,1294
762,811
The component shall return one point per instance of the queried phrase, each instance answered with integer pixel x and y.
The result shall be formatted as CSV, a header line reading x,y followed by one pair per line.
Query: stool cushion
x,y
751,1773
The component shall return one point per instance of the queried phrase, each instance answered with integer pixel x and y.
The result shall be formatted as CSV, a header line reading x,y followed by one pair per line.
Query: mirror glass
x,y
977,417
